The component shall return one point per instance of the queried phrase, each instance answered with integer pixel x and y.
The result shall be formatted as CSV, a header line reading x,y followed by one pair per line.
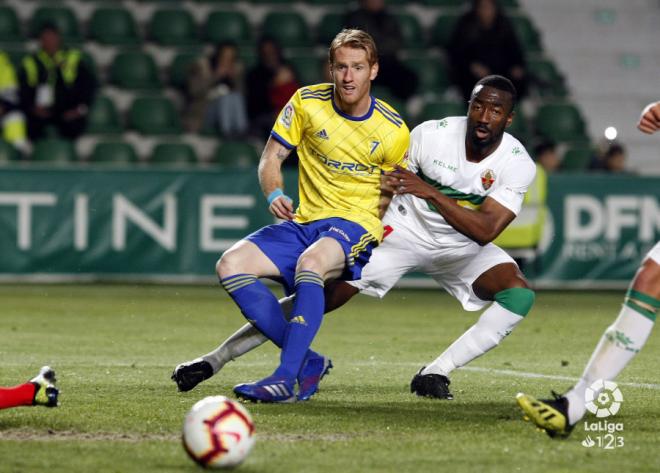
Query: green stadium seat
x,y
63,17
179,68
173,27
328,27
54,150
103,117
519,126
560,122
134,70
546,78
308,67
10,27
173,153
528,35
437,110
327,2
431,72
576,158
411,31
236,155
288,28
116,152
16,56
227,26
270,2
154,116
444,3
442,29
113,26
8,153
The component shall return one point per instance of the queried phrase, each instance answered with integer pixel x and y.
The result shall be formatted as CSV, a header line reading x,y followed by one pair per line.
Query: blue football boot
x,y
314,368
270,389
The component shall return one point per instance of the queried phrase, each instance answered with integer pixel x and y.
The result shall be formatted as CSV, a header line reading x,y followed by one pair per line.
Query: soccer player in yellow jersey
x,y
345,139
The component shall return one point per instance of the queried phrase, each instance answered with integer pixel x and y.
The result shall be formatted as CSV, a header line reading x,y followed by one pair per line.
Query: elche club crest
x,y
487,179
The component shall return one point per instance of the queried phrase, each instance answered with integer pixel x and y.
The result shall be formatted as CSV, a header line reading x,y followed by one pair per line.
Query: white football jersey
x,y
437,155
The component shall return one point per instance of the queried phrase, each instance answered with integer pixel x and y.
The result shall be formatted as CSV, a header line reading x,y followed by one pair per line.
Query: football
x,y
218,432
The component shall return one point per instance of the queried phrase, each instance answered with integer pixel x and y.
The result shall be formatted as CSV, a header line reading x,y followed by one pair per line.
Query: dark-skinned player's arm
x,y
271,180
649,121
482,226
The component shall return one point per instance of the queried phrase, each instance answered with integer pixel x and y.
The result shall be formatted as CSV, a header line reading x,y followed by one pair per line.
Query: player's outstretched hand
x,y
282,207
649,122
407,182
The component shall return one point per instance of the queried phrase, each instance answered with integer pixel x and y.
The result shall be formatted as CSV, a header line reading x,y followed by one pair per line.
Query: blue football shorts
x,y
283,243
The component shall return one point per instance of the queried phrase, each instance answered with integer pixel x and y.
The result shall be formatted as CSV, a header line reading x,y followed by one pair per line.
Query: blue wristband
x,y
275,194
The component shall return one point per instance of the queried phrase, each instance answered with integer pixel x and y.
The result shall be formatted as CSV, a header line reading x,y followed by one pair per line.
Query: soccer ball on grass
x,y
218,432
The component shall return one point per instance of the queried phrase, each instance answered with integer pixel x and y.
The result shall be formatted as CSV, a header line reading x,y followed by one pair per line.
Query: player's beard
x,y
494,136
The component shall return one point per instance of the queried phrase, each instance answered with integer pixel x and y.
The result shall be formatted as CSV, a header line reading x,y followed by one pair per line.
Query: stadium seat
x,y
8,153
173,27
113,26
63,17
411,31
528,35
442,28
227,25
431,72
103,117
328,27
173,153
444,3
288,28
308,67
327,2
16,55
519,126
116,152
545,77
576,158
437,110
10,28
134,70
560,122
54,150
236,155
154,116
179,68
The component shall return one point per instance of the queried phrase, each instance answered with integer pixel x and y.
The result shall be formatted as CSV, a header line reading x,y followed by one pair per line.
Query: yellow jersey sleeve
x,y
397,150
289,126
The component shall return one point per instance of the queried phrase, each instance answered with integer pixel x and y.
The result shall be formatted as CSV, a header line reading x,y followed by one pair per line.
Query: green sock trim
x,y
518,300
640,310
645,298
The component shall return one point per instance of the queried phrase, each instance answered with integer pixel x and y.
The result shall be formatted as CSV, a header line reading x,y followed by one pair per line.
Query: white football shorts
x,y
454,265
654,254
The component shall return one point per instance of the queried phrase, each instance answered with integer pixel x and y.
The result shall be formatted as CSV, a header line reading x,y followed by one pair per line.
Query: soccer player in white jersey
x,y
619,344
467,182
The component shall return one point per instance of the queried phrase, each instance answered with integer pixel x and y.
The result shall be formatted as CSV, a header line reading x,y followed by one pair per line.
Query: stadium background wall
x,y
172,224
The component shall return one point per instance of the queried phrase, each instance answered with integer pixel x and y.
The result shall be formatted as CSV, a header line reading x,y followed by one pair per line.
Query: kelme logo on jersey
x,y
286,117
487,179
322,134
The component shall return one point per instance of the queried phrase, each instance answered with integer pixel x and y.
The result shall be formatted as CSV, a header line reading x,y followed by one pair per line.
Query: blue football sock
x,y
258,305
305,322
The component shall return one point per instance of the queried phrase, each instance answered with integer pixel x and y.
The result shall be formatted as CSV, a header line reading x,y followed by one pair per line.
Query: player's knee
x,y
518,300
310,262
228,264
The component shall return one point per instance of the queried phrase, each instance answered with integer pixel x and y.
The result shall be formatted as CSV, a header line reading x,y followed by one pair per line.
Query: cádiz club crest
x,y
487,179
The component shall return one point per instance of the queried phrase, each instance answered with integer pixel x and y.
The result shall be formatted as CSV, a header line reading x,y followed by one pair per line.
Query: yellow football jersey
x,y
341,156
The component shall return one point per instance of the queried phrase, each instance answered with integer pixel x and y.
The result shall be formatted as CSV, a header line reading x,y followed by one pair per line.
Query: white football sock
x,y
245,339
618,345
491,328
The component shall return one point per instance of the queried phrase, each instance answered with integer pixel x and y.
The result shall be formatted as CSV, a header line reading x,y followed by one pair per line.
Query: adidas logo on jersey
x,y
299,319
322,134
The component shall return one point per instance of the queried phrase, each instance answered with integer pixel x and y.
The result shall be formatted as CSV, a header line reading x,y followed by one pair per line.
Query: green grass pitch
x,y
114,348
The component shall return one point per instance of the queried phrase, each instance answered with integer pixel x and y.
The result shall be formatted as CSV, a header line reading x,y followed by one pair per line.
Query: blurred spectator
x,y
270,85
214,93
612,159
12,120
482,43
545,154
372,17
56,87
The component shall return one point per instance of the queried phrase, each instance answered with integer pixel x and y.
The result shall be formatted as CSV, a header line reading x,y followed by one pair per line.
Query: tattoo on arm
x,y
282,154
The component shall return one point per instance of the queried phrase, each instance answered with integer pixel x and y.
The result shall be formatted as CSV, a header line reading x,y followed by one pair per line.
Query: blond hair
x,y
357,39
